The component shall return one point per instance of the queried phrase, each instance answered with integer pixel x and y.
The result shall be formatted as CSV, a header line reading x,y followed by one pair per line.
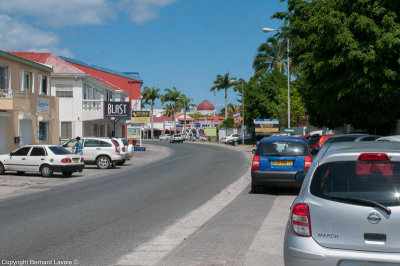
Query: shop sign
x,y
266,126
211,131
43,105
140,117
132,132
117,110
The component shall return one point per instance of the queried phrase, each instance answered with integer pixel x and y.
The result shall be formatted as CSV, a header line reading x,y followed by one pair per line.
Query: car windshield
x,y
340,139
177,136
58,150
313,140
281,148
374,181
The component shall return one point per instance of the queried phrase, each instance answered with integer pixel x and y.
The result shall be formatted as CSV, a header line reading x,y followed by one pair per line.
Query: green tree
x,y
186,104
149,96
168,112
223,83
227,123
349,54
173,95
269,55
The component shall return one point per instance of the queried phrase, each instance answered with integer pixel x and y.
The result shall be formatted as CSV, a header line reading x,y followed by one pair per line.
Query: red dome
x,y
205,106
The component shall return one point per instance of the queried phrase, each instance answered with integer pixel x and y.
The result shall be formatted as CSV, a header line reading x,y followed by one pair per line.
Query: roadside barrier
x,y
139,148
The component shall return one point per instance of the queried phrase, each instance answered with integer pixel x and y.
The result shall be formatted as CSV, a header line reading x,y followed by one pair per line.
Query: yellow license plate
x,y
284,163
76,160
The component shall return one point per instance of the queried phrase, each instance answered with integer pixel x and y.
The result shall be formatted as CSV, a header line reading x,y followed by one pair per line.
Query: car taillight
x,y
382,157
301,220
256,163
82,160
307,162
123,148
66,160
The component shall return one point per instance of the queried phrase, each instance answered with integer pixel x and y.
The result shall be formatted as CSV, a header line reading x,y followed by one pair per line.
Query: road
x,y
97,221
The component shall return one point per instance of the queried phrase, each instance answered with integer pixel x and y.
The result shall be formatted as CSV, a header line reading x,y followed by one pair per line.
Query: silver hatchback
x,y
348,209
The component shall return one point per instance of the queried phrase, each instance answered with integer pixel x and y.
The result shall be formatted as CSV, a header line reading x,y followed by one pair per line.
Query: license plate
x,y
284,163
76,160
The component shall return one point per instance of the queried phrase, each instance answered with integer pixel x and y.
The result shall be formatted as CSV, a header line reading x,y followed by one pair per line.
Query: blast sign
x,y
117,110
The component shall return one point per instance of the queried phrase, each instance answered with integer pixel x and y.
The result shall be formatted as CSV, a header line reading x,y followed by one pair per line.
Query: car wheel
x,y
121,163
2,169
67,174
254,188
103,162
236,143
46,171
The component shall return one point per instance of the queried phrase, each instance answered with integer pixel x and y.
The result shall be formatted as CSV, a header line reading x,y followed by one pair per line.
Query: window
x,y
69,144
22,152
64,90
66,130
92,143
44,85
43,131
3,79
59,150
281,148
27,81
38,152
105,144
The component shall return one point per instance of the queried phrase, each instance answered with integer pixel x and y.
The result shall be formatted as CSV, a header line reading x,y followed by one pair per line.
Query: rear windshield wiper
x,y
365,201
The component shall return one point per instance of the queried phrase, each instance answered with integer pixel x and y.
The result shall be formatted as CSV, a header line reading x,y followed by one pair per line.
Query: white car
x,y
103,152
164,137
129,149
176,138
44,159
231,136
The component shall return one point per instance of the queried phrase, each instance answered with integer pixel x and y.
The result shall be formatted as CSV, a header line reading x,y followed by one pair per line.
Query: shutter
x,y
48,86
22,80
40,84
33,82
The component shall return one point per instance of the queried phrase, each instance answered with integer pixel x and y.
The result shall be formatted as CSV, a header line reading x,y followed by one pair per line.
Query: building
x,y
206,108
81,98
28,112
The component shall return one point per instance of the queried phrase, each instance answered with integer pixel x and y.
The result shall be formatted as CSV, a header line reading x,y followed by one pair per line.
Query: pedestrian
x,y
78,146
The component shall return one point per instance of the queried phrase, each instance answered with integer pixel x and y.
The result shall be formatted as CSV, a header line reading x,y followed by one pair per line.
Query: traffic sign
x,y
288,130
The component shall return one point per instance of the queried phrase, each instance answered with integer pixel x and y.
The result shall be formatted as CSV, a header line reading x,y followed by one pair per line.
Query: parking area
x,y
13,184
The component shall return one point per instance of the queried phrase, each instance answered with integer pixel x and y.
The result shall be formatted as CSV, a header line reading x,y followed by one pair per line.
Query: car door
x,y
91,147
36,157
70,145
17,160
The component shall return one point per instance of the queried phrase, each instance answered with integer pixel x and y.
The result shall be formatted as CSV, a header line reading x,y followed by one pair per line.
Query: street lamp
x,y
288,73
232,81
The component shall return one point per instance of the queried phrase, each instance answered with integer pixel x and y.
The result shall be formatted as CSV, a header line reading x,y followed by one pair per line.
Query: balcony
x,y
92,110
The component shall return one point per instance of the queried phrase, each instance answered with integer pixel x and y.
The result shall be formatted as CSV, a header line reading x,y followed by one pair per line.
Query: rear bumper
x,y
67,168
276,178
306,251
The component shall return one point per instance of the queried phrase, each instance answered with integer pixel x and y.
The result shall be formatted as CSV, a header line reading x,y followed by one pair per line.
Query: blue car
x,y
277,160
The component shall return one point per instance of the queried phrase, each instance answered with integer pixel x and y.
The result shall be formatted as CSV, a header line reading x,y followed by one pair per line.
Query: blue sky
x,y
181,43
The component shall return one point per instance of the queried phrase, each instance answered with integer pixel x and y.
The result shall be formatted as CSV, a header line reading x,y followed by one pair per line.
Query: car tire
x,y
67,174
103,162
235,143
2,169
46,171
121,163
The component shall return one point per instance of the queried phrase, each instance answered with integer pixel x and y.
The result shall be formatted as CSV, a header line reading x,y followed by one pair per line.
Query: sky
x,y
181,43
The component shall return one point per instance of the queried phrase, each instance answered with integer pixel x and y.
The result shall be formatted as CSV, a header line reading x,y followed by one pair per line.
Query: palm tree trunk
x,y
226,103
174,122
152,125
163,124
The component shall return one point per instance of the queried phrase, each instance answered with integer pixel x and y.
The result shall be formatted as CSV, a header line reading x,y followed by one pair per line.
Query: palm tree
x,y
239,87
149,97
168,112
187,105
270,55
223,83
173,95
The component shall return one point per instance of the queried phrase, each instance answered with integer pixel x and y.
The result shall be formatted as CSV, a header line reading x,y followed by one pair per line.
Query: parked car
x,y
44,159
164,137
176,138
248,139
103,152
123,150
351,137
231,136
315,142
389,138
277,160
348,210
129,149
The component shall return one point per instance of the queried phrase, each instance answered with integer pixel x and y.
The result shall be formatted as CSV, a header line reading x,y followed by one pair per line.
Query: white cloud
x,y
142,11
59,13
19,36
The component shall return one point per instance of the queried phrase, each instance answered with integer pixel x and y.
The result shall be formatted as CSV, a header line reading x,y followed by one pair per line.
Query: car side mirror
x,y
11,153
253,151
300,175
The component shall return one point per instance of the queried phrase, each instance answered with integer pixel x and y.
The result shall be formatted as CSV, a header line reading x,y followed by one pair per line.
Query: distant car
x,y
231,136
351,137
164,137
129,149
348,210
123,150
44,159
277,160
103,152
315,142
176,138
389,138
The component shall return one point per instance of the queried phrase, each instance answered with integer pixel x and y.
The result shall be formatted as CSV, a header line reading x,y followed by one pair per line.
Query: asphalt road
x,y
97,221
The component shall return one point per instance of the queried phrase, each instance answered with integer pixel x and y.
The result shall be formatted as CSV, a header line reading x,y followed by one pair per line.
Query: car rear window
x,y
125,141
376,181
281,148
58,150
313,140
340,139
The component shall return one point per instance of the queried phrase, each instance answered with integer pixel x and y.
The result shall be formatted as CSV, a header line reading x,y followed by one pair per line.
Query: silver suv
x,y
348,209
103,152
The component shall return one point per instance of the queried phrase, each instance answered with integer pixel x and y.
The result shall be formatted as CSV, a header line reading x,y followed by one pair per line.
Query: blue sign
x,y
197,124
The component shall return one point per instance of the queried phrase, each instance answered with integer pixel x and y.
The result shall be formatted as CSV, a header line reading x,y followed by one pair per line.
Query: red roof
x,y
160,119
205,106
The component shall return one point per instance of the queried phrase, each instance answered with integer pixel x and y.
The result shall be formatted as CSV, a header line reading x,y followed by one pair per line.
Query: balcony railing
x,y
5,93
92,104
92,109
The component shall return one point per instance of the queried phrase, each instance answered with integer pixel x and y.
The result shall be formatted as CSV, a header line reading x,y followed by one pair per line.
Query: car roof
x,y
40,145
392,138
360,147
283,138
